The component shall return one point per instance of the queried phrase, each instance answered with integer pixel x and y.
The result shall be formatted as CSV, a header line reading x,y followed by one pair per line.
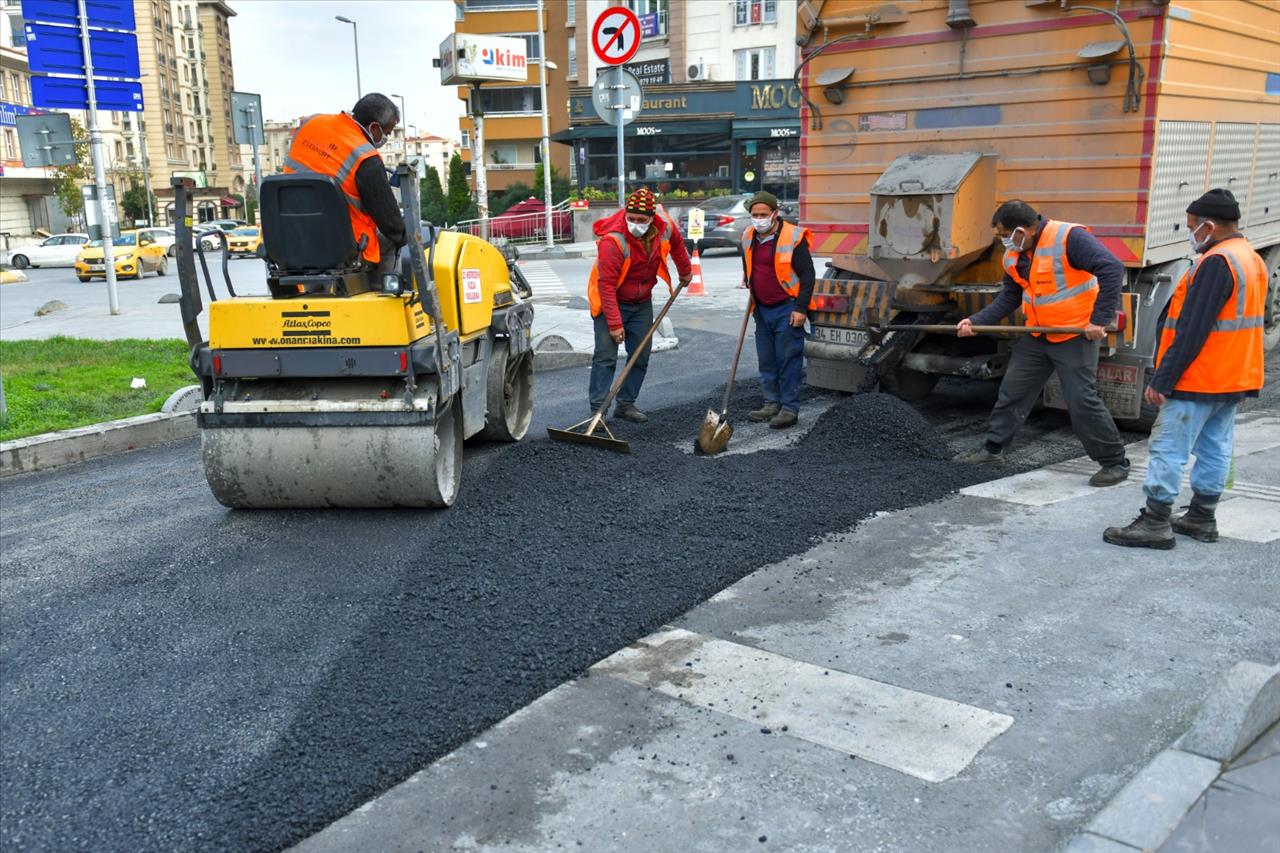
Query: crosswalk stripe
x,y
546,283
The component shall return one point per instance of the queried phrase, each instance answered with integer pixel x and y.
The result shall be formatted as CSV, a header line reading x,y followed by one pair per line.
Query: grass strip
x,y
60,383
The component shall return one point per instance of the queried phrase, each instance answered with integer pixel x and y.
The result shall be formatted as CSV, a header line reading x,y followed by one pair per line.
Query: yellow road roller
x,y
342,387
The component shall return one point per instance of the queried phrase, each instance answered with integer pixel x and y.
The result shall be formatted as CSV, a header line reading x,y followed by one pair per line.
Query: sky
x,y
302,61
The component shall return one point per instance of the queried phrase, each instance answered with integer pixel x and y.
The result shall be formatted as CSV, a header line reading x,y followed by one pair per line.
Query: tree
x,y
133,204
432,198
67,179
560,187
458,204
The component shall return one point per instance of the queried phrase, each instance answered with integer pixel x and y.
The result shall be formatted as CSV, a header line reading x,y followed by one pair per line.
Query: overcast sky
x,y
301,60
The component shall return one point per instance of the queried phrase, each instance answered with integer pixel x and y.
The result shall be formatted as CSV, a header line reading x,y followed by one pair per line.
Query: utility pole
x,y
99,174
546,133
477,160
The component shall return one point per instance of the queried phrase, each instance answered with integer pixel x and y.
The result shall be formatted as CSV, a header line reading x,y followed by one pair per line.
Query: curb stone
x,y
8,276
1147,811
55,449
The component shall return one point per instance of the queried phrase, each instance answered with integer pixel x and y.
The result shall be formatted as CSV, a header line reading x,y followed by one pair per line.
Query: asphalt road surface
x,y
178,675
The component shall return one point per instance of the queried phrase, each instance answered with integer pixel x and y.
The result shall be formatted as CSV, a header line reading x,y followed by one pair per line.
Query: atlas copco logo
x,y
500,58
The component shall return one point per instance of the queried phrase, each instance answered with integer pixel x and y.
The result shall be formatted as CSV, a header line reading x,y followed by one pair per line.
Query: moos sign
x,y
465,57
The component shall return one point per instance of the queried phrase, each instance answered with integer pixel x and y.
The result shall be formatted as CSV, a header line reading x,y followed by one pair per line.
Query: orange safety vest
x,y
789,236
335,145
1058,294
664,249
1231,359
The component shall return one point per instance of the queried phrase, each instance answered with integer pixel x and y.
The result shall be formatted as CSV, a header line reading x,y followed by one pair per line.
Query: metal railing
x,y
522,227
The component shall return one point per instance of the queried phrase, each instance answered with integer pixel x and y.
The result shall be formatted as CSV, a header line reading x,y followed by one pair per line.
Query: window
x,y
747,12
573,58
10,145
532,45
657,25
521,100
504,154
497,5
4,88
466,139
770,11
571,13
753,64
740,13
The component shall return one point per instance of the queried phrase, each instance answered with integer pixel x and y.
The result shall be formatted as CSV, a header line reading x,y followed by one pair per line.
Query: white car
x,y
164,237
59,250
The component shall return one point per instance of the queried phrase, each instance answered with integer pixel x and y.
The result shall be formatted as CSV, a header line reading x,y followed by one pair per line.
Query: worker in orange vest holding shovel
x,y
632,250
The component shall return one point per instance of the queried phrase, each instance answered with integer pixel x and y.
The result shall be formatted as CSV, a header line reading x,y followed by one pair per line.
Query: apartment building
x,y
513,112
720,112
431,150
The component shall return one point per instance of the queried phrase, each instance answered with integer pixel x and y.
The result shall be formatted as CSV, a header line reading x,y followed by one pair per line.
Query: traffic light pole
x,y
99,173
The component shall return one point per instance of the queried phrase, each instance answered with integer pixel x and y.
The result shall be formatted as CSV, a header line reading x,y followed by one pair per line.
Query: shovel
x,y
875,330
715,432
596,421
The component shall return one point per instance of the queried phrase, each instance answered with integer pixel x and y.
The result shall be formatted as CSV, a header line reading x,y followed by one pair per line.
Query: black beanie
x,y
1217,204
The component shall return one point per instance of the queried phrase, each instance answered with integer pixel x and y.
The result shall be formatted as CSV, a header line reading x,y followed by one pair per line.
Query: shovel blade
x,y
617,445
714,434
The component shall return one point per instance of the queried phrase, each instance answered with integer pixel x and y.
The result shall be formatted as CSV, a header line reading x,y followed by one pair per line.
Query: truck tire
x,y
1271,317
509,393
909,385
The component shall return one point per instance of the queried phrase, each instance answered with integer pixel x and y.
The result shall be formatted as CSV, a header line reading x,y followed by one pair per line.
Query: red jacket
x,y
642,275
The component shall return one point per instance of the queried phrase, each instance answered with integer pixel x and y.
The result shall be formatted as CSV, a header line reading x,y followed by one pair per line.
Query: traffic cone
x,y
695,287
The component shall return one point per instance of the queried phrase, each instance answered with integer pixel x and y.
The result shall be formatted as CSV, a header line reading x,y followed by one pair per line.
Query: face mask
x,y
1009,245
1196,245
762,224
380,139
637,229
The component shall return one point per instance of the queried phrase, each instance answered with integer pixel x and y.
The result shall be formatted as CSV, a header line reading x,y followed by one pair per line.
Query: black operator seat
x,y
306,232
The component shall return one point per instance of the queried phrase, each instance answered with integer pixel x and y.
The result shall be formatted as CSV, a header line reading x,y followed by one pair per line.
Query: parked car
x,y
245,241
527,220
206,237
59,250
726,218
133,255
227,225
164,236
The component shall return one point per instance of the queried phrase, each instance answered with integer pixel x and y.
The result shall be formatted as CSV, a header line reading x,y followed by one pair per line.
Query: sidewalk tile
x,y
1151,806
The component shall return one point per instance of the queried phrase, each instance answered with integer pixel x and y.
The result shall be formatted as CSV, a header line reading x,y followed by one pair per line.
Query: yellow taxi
x,y
246,240
134,253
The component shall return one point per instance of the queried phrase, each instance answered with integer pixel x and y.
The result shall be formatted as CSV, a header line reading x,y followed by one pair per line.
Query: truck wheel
x,y
509,394
1271,317
907,384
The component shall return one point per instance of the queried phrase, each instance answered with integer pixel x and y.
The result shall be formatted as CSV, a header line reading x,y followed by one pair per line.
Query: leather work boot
x,y
629,412
1197,522
785,418
981,456
1148,530
764,413
1109,475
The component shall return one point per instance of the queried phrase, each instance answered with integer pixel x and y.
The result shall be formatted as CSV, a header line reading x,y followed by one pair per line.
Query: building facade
x,y
430,150
513,112
720,112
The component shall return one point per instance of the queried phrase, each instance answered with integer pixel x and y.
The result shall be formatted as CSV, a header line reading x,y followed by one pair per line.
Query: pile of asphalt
x,y
315,668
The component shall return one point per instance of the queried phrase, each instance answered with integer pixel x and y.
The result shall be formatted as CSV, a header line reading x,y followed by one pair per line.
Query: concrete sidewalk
x,y
983,673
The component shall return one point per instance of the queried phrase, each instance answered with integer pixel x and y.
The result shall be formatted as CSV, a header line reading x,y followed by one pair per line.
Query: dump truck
x,y
921,116
342,386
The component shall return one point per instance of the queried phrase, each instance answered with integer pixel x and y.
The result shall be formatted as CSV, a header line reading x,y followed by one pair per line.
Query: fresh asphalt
x,y
177,675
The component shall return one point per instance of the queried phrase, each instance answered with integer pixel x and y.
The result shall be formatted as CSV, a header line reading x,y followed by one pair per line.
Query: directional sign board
x,y
108,14
72,93
57,50
46,140
246,116
615,38
603,97
54,47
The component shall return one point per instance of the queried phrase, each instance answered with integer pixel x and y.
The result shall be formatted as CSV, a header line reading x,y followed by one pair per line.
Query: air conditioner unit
x,y
699,71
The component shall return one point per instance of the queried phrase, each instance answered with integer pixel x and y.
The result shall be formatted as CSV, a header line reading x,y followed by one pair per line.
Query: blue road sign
x,y
57,50
72,93
106,14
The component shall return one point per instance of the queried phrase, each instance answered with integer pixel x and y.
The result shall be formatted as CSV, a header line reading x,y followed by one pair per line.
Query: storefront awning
x,y
228,201
661,129
766,128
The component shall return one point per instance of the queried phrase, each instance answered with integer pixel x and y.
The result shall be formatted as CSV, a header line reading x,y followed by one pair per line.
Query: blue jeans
x,y
636,320
780,351
1185,427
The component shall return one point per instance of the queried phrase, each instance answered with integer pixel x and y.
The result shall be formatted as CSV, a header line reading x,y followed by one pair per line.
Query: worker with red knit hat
x,y
632,250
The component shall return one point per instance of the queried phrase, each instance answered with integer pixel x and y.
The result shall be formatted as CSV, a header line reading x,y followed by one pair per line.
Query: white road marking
x,y
914,733
546,283
1249,519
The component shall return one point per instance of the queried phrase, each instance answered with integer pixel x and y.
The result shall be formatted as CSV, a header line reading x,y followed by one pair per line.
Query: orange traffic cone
x,y
695,287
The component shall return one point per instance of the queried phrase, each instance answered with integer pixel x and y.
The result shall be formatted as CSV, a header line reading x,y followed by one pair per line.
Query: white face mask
x,y
762,223
1196,245
1009,244
637,229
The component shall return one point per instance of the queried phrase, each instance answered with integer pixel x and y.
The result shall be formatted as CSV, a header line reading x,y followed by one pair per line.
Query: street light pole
x,y
355,37
546,133
404,129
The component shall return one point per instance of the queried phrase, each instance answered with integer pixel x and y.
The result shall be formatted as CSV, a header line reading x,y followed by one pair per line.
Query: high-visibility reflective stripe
x,y
1234,263
1171,324
353,159
1068,293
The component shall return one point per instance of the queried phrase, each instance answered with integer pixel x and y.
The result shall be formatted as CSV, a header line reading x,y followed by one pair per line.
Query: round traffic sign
x,y
615,38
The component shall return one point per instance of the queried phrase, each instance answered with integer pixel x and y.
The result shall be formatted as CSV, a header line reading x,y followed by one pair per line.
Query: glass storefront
x,y
696,157
772,165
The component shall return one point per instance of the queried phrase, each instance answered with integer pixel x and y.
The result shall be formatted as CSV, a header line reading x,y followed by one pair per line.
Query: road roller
x,y
340,386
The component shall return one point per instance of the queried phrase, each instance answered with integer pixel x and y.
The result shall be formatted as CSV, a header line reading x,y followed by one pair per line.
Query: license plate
x,y
96,266
848,337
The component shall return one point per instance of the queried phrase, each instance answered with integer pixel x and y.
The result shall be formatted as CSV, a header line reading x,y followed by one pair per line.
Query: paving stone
x,y
1150,807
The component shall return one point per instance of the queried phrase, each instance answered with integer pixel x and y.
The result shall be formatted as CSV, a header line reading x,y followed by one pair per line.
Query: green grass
x,y
59,383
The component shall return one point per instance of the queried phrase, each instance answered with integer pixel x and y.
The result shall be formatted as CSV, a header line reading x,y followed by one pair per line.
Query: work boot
x,y
764,413
1151,529
782,420
1199,521
629,412
1109,475
981,456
